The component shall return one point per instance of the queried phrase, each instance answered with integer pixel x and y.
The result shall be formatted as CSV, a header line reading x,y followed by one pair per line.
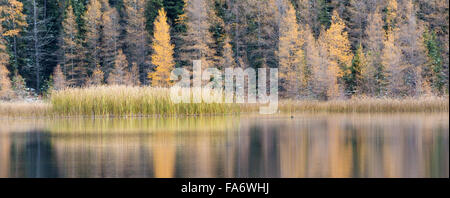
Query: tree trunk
x,y
36,47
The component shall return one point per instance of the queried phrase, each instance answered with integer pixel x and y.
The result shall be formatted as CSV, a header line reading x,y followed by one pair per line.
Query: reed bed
x,y
25,109
128,101
115,101
369,105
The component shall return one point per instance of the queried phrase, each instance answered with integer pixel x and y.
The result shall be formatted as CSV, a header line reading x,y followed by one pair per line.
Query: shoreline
x,y
44,108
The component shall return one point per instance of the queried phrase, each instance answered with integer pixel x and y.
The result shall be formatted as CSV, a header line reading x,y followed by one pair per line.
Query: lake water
x,y
307,145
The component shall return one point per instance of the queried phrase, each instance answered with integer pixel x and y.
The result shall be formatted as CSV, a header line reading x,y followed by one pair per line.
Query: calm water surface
x,y
320,145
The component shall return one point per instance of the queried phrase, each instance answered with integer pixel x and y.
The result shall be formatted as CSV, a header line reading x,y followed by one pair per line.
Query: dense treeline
x,y
324,49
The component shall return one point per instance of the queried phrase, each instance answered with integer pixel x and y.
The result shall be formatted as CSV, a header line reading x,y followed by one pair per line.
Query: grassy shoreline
x,y
117,101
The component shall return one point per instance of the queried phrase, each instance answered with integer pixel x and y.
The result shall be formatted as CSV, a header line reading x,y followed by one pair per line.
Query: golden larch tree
x,y
13,20
162,56
392,62
313,63
373,73
134,75
5,82
119,75
391,15
97,77
414,51
325,72
19,87
339,53
228,58
290,53
13,17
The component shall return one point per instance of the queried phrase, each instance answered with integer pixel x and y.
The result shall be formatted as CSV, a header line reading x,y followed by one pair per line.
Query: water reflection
x,y
338,145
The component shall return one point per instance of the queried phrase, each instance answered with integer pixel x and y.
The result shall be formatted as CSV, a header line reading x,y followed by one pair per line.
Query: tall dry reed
x,y
25,109
368,105
128,101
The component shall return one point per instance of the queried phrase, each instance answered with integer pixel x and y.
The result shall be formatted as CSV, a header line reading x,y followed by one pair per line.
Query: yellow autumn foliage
x,y
290,53
162,56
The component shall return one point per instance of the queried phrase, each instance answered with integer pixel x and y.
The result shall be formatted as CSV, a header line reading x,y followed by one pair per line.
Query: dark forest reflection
x,y
406,145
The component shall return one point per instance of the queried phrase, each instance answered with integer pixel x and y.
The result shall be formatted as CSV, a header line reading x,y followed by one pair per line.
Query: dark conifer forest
x,y
322,48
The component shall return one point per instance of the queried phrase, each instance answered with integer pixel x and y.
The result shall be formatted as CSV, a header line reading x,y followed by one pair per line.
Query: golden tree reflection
x,y
163,155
